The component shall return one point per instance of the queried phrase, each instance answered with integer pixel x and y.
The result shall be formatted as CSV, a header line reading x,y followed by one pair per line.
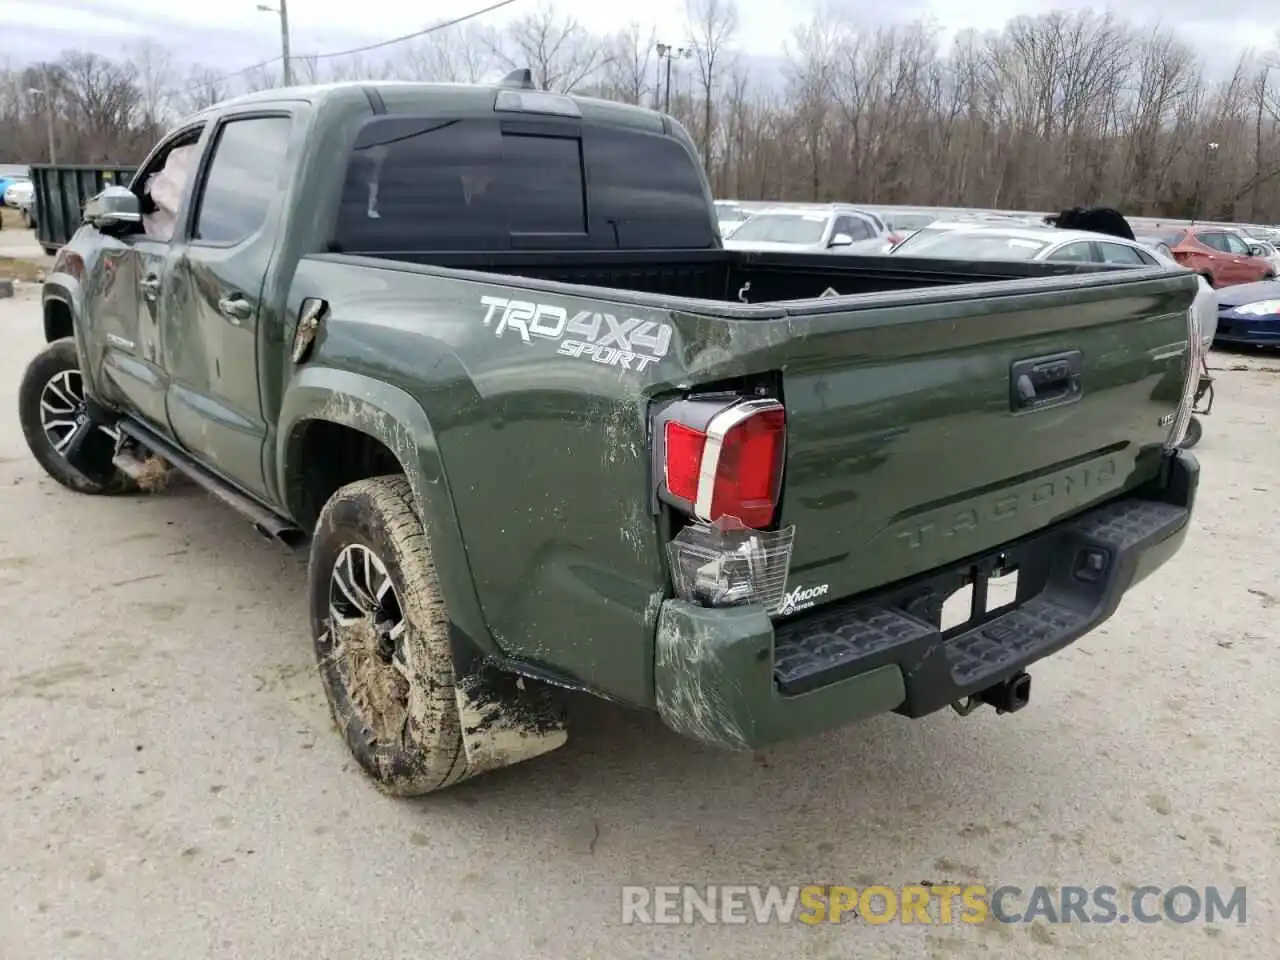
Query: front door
x,y
128,291
211,343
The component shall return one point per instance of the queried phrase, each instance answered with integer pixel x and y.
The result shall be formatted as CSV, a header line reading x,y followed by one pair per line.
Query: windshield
x,y
908,221
783,228
728,211
920,237
967,246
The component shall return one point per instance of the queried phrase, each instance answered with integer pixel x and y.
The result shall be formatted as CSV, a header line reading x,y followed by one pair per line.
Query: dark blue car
x,y
1249,314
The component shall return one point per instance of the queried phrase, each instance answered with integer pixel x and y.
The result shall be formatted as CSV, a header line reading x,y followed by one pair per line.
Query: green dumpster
x,y
60,196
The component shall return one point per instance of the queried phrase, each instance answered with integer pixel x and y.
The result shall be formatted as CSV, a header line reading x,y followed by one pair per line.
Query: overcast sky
x,y
229,34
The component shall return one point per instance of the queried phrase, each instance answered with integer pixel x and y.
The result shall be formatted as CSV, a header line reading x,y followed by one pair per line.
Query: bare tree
x,y
627,67
1063,108
558,52
713,25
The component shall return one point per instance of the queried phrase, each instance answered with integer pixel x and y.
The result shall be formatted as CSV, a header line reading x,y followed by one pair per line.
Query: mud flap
x,y
507,718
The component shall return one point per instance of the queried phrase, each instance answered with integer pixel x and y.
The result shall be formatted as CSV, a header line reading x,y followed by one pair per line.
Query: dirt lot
x,y
173,787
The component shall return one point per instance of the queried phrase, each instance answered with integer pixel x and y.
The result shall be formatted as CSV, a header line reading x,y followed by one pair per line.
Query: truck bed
x,y
722,275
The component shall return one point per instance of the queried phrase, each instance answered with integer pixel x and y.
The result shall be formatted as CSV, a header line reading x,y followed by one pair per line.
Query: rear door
x,y
1217,259
211,339
1250,268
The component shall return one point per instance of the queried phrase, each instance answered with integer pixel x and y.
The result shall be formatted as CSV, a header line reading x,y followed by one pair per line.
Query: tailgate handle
x,y
1039,382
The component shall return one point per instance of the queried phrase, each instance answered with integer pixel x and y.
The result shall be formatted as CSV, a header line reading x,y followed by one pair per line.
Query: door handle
x,y
235,307
1040,382
150,285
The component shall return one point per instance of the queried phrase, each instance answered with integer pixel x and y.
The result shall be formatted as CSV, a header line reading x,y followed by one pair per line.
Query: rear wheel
x,y
55,421
382,638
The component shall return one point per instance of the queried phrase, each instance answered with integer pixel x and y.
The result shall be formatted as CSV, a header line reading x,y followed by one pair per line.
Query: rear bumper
x,y
734,679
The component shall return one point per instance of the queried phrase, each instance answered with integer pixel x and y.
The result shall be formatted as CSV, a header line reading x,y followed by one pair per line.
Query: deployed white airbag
x,y
165,189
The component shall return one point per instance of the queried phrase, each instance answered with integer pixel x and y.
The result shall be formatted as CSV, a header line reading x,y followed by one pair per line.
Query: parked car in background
x,y
731,215
834,228
1266,250
20,194
1249,314
1154,243
979,240
903,221
990,242
11,174
1219,254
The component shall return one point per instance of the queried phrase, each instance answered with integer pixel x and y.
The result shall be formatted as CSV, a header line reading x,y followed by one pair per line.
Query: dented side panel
x,y
393,417
538,398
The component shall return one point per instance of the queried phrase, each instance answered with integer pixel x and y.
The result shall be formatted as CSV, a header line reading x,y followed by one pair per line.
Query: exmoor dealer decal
x,y
801,598
632,344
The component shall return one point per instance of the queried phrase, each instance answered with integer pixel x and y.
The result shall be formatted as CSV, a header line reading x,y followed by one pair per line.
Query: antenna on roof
x,y
519,78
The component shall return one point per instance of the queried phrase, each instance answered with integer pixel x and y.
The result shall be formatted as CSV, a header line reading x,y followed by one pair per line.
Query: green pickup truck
x,y
481,351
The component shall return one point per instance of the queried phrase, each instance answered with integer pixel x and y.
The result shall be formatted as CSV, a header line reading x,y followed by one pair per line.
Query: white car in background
x,y
19,193
731,215
811,228
1045,243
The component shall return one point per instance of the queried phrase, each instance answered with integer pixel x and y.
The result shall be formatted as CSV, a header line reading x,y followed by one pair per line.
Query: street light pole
x,y
47,96
666,52
283,10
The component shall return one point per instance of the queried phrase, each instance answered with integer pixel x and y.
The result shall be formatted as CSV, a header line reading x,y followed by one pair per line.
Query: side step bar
x,y
266,521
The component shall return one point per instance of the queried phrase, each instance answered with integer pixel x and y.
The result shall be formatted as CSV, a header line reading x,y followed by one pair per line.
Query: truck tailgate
x,y
920,435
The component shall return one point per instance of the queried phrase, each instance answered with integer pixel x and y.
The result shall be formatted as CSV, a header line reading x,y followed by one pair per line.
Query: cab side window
x,y
859,229
240,181
1217,241
1119,253
163,184
1077,252
1236,245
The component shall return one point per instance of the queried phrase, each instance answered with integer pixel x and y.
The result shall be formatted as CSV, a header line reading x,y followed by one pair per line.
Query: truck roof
x,y
407,96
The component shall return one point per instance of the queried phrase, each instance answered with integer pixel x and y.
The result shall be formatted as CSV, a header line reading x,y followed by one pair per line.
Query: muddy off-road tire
x,y
50,398
382,638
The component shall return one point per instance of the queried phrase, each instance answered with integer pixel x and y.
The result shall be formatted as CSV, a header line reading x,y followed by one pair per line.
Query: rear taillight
x,y
723,458
719,460
1195,360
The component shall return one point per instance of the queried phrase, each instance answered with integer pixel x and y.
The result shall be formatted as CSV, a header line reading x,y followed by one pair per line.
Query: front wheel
x,y
55,422
382,638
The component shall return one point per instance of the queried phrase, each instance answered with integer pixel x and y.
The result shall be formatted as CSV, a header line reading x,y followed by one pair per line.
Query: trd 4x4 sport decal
x,y
632,344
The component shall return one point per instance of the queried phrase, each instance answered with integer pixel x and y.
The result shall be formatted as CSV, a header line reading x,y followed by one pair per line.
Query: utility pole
x,y
666,52
283,10
47,96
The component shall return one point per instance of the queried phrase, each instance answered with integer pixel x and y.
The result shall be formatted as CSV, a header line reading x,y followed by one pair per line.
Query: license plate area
x,y
989,588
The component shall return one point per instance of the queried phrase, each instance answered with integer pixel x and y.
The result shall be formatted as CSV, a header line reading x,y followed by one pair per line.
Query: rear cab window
x,y
491,184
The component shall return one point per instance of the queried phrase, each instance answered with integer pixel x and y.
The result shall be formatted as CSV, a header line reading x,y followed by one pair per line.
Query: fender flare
x,y
396,419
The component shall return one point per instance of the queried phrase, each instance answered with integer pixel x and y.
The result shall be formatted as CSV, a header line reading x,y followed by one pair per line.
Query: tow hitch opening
x,y
1009,696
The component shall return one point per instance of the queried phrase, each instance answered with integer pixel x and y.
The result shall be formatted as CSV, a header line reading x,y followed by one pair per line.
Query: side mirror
x,y
1256,251
841,240
112,210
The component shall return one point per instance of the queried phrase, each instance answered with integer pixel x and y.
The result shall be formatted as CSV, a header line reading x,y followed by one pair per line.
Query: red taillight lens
x,y
684,447
749,470
730,464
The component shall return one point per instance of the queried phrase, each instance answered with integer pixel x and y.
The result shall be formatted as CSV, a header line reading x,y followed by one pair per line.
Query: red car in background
x,y
1220,256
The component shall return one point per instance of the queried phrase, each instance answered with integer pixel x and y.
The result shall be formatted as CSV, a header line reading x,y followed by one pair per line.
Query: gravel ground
x,y
173,786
